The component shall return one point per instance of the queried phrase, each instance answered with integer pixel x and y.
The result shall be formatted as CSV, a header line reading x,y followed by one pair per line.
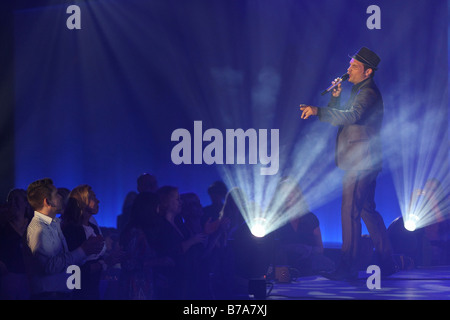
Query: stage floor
x,y
432,283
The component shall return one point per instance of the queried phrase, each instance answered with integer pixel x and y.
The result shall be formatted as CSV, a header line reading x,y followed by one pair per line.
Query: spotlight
x,y
411,222
258,228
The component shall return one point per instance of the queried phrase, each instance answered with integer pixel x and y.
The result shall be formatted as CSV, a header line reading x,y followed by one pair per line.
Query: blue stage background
x,y
98,105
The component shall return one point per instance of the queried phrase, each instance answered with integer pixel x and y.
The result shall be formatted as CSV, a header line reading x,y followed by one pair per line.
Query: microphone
x,y
341,79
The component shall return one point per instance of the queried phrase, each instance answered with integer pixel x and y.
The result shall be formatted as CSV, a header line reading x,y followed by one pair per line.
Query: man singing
x,y
358,153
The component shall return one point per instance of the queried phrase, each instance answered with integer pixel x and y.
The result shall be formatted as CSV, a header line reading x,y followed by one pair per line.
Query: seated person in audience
x,y
147,182
48,256
191,212
432,204
217,193
174,242
64,193
77,228
300,238
136,278
124,216
14,282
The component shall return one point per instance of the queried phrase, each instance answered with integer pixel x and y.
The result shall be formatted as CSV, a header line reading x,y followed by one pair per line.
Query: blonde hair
x,y
76,204
81,194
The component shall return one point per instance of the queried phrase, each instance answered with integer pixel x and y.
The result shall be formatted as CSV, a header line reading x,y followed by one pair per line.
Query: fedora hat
x,y
367,57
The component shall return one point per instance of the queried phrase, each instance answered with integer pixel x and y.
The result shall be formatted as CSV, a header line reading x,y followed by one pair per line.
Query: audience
x,y
64,193
147,182
217,193
14,281
428,245
300,238
138,240
175,242
198,257
191,212
436,235
406,245
166,246
240,256
122,219
47,254
82,204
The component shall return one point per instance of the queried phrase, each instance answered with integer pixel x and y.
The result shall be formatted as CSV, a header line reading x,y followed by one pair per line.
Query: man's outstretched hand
x,y
308,111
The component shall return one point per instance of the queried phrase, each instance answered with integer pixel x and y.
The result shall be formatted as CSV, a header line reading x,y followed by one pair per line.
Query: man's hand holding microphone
x,y
335,88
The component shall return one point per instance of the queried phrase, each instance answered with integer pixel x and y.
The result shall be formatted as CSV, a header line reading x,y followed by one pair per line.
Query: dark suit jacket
x,y
358,145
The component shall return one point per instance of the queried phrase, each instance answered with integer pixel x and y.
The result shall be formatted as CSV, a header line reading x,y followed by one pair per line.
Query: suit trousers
x,y
358,202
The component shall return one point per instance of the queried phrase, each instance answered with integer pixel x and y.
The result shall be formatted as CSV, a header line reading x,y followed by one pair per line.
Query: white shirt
x,y
50,256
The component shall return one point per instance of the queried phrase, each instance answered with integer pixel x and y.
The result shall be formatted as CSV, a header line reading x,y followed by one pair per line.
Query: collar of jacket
x,y
358,86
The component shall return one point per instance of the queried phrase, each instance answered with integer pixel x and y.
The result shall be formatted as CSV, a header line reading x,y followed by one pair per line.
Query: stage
x,y
422,283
